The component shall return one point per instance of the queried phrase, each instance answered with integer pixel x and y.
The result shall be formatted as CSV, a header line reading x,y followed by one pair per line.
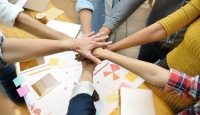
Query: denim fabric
x,y
7,74
98,8
98,15
84,4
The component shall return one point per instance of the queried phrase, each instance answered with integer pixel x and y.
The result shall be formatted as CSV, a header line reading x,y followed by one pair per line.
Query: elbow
x,y
157,31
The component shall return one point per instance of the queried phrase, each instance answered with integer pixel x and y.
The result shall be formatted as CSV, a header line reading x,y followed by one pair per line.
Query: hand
x,y
88,65
106,30
109,47
88,69
98,52
87,43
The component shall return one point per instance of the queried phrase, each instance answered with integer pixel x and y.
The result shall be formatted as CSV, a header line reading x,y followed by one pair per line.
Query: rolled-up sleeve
x,y
181,17
121,11
186,86
8,13
84,4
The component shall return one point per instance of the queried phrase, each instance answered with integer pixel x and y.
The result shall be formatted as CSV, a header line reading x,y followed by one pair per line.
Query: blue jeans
x,y
7,74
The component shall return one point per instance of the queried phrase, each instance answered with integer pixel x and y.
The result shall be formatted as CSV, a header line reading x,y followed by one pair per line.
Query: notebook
x,y
136,102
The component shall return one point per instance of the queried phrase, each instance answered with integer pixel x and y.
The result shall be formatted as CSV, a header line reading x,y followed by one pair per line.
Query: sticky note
x,y
18,80
62,64
131,76
53,13
115,112
53,62
22,91
112,97
124,85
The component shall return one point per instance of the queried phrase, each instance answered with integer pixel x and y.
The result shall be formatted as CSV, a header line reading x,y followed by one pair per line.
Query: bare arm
x,y
15,50
86,20
87,72
162,28
30,25
149,72
151,33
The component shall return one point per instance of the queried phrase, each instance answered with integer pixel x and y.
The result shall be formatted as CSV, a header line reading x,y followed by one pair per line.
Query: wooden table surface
x,y
161,107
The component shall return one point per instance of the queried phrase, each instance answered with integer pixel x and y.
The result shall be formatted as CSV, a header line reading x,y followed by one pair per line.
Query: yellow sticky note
x,y
131,76
62,64
53,13
53,62
112,97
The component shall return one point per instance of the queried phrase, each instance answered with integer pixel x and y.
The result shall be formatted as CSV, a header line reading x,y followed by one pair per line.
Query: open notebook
x,y
136,102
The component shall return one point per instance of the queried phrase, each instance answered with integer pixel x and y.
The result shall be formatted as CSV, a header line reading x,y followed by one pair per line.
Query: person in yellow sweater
x,y
186,56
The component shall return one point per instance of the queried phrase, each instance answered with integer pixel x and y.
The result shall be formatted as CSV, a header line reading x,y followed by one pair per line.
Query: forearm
x,y
149,72
15,50
86,20
105,30
149,34
86,76
38,29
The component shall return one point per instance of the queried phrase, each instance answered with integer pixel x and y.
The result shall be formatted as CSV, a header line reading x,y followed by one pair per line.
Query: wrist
x,y
106,30
100,53
86,76
62,36
70,44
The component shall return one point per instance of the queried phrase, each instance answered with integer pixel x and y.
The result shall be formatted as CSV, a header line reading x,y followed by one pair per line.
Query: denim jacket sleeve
x,y
121,11
84,4
8,12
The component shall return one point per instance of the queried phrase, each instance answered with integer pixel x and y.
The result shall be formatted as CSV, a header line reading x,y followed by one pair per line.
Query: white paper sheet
x,y
67,28
105,84
137,102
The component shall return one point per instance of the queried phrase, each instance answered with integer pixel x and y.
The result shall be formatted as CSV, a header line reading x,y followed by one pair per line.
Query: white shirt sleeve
x,y
8,13
83,87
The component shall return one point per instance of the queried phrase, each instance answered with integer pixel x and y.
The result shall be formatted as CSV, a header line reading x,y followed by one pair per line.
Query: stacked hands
x,y
88,45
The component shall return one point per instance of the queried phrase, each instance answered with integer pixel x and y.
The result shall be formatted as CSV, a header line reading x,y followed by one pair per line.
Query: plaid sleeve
x,y
2,61
193,110
178,82
186,86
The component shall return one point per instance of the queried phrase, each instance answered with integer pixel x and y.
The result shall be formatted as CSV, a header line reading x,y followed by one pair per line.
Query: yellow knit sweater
x,y
186,57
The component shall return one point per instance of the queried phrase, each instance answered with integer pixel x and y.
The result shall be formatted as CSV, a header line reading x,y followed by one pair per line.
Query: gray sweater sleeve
x,y
121,11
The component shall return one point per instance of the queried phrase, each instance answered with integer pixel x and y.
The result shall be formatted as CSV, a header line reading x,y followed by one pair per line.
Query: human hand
x,y
87,43
88,69
98,52
88,65
109,47
105,30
